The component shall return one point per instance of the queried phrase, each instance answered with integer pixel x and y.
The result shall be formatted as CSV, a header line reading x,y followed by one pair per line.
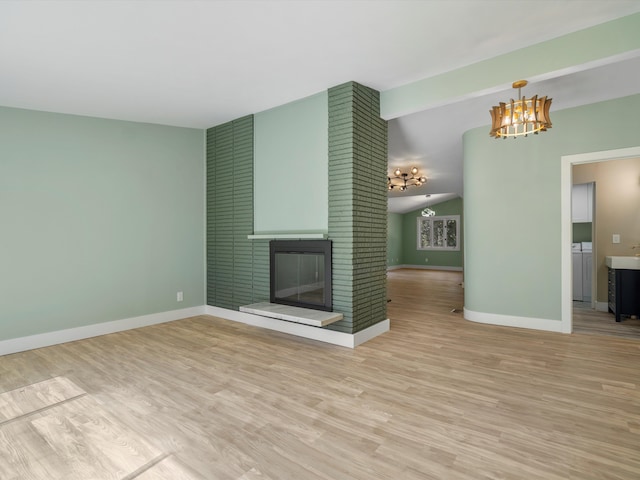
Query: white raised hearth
x,y
315,318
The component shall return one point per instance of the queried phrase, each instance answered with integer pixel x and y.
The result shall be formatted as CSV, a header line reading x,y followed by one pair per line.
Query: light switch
x,y
616,238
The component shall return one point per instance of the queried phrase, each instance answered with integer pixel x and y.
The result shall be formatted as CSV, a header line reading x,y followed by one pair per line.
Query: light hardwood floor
x,y
437,397
53,430
589,321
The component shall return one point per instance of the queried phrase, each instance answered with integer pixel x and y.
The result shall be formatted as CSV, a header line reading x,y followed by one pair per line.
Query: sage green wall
x,y
100,220
291,167
394,239
432,258
512,206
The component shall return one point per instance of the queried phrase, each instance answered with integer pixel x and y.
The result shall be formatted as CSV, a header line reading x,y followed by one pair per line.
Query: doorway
x,y
567,163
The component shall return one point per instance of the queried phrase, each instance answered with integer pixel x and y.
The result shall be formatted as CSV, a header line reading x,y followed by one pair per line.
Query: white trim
x,y
566,162
514,321
293,236
426,267
40,340
300,330
31,342
371,332
602,306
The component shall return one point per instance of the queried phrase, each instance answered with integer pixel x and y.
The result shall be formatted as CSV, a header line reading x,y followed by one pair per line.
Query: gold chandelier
x,y
402,180
520,117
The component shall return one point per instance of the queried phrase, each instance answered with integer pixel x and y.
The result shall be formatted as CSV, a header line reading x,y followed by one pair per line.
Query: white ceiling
x,y
202,63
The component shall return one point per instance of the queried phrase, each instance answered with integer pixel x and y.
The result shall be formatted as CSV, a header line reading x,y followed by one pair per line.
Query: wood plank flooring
x,y
589,321
54,430
437,397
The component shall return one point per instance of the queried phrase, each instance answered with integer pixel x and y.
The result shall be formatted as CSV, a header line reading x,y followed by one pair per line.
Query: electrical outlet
x,y
616,238
179,296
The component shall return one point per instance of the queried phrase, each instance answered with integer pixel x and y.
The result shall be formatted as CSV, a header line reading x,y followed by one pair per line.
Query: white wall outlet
x,y
616,238
179,296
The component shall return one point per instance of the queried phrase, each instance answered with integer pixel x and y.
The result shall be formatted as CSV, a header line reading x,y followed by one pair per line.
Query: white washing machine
x,y
576,255
587,270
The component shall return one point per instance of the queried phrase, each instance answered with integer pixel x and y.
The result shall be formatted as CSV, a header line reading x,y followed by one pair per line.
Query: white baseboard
x,y
31,342
602,306
40,340
373,331
315,333
426,267
514,321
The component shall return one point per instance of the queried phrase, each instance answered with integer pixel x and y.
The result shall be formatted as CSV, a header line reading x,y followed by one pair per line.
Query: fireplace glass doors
x,y
300,272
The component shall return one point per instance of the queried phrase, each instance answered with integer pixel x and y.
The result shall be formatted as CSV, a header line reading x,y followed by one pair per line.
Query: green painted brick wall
x,y
260,271
237,268
357,206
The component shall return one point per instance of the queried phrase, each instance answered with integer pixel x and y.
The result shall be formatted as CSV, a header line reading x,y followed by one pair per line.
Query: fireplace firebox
x,y
300,273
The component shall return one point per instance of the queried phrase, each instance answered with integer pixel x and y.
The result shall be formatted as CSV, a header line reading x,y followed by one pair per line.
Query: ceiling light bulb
x,y
397,172
414,170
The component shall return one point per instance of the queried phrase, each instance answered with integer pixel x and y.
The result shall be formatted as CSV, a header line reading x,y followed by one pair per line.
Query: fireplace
x,y
300,273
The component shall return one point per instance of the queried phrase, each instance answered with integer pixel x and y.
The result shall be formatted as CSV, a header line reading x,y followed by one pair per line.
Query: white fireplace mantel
x,y
286,236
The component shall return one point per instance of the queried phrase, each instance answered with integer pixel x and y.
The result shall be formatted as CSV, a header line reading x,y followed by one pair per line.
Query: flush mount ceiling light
x,y
401,180
520,117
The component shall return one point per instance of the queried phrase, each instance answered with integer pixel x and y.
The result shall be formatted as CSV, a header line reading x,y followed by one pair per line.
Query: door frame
x,y
566,231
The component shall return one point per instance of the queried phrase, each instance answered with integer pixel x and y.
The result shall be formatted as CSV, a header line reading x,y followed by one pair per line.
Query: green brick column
x,y
261,280
358,206
236,270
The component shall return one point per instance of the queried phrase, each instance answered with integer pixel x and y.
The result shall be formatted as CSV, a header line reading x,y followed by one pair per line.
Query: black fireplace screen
x,y
300,272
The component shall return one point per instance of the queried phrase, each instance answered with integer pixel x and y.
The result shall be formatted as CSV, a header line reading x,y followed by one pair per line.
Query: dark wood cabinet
x,y
624,292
